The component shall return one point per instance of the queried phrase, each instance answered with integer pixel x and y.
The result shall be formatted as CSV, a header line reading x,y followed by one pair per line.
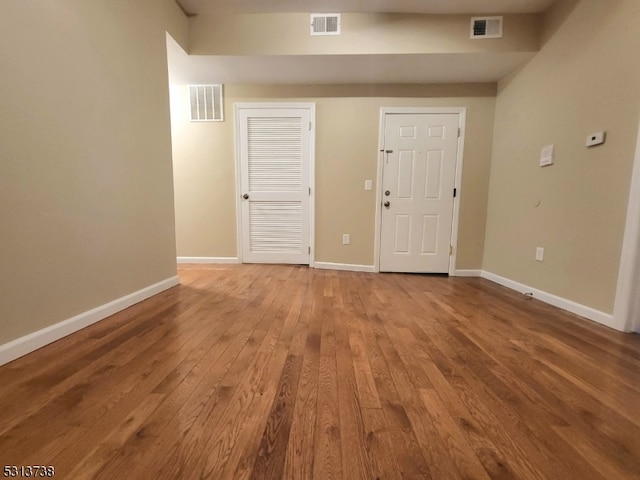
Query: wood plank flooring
x,y
272,372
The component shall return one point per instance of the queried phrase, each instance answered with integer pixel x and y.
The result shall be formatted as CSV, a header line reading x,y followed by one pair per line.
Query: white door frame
x,y
462,114
312,169
626,311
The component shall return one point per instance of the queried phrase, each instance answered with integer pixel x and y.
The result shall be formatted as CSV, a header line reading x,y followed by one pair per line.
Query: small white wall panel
x,y
433,181
408,132
406,164
403,233
435,132
429,234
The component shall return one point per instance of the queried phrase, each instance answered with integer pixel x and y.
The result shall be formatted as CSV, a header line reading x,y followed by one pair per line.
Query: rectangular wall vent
x,y
325,24
206,103
486,27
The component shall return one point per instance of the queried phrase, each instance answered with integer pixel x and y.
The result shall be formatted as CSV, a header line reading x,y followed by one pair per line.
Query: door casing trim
x,y
627,299
462,115
312,166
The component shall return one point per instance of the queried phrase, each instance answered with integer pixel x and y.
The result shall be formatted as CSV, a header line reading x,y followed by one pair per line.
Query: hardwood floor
x,y
269,372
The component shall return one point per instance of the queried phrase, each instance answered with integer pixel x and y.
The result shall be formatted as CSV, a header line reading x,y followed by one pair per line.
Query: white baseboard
x,y
344,266
568,305
467,273
33,341
208,260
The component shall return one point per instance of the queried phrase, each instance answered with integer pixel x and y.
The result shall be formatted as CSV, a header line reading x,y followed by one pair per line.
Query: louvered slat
x,y
275,227
275,154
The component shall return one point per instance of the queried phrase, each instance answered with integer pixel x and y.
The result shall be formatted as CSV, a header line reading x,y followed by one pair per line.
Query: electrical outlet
x,y
346,239
539,254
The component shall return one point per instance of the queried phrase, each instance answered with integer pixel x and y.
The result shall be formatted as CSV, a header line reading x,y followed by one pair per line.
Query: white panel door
x,y
274,182
417,192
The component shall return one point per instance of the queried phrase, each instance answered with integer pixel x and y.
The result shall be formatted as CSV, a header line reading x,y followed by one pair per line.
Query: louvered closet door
x,y
274,160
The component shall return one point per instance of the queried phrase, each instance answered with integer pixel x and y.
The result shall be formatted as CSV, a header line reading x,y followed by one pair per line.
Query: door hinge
x,y
450,250
309,250
455,192
459,132
309,190
309,126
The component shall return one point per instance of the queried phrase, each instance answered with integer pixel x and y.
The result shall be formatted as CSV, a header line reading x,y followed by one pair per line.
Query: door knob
x,y
387,193
387,204
245,196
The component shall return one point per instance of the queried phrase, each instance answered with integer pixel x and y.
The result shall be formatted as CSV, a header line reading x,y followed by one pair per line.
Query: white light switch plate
x,y
546,156
539,254
368,184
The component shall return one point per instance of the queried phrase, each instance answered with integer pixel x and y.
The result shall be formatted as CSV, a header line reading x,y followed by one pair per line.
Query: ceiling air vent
x,y
325,24
206,103
486,27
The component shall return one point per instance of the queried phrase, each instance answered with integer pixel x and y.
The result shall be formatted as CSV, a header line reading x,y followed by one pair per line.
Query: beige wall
x,y
86,198
361,33
204,181
584,79
346,154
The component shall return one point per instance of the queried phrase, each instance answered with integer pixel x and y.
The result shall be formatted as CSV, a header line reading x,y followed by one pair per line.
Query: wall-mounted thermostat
x,y
597,138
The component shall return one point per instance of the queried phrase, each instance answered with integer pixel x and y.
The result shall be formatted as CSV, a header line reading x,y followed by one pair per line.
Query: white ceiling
x,y
385,6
